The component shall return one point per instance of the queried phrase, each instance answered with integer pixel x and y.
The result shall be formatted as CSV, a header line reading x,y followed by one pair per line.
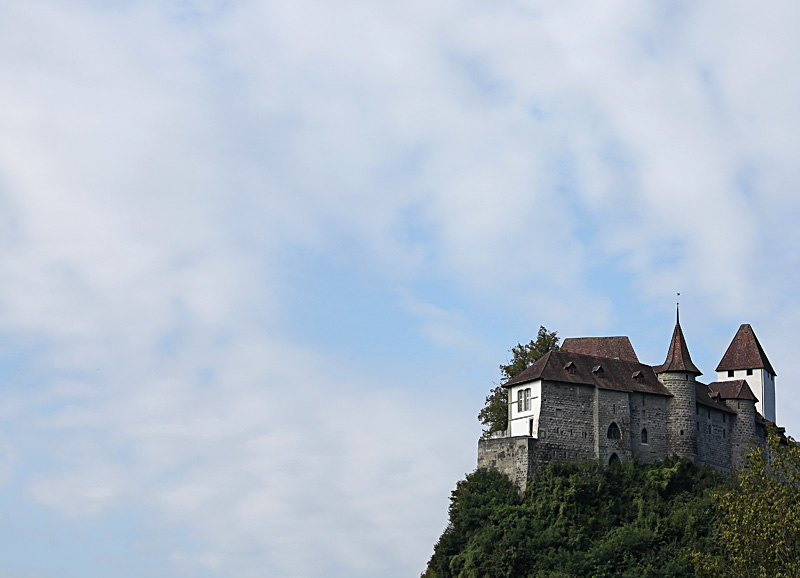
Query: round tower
x,y
678,374
738,396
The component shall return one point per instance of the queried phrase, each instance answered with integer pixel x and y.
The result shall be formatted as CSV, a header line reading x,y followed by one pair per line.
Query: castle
x,y
594,400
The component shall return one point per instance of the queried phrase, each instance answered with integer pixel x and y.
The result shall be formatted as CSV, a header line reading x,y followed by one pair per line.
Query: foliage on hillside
x,y
580,520
759,533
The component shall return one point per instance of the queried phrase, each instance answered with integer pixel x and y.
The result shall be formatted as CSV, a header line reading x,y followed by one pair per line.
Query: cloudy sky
x,y
260,259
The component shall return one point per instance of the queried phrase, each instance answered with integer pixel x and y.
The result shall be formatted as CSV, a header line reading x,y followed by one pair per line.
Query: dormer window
x,y
570,368
638,376
598,370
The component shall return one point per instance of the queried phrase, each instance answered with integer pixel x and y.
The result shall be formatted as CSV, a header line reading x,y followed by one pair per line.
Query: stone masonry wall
x,y
649,412
681,419
514,457
612,407
566,425
743,429
713,438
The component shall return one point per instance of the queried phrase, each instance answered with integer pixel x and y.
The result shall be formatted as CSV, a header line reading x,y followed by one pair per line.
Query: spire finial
x,y
678,309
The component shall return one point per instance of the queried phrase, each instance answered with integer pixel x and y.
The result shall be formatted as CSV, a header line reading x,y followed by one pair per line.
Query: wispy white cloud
x,y
163,165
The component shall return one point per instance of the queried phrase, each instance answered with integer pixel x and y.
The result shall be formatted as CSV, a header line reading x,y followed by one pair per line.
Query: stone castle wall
x,y
681,418
649,412
575,419
514,457
612,407
713,438
566,426
743,429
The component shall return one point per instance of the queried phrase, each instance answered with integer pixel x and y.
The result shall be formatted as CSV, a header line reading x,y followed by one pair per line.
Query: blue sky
x,y
260,260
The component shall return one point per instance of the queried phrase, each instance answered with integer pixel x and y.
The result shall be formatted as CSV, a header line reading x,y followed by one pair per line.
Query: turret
x,y
678,374
745,359
738,396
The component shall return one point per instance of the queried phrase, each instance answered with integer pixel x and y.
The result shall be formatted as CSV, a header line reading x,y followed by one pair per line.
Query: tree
x,y
494,415
759,534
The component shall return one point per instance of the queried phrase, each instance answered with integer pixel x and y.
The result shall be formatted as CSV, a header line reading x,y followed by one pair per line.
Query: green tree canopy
x,y
759,534
494,415
579,520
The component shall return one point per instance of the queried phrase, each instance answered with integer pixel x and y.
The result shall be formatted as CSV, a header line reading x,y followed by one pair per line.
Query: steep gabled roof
x,y
618,347
678,358
745,352
704,395
733,389
617,374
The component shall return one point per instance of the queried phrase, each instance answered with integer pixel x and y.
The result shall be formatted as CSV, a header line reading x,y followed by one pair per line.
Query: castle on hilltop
x,y
594,400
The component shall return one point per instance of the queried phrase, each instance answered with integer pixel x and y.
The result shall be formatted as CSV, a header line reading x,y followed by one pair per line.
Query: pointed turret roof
x,y
745,352
678,358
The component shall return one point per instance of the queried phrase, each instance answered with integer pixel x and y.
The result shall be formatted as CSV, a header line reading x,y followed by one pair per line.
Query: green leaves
x,y
494,414
523,356
759,535
578,519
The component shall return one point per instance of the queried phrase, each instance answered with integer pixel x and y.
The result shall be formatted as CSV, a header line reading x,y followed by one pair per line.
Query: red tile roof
x,y
745,352
734,389
678,358
618,347
618,374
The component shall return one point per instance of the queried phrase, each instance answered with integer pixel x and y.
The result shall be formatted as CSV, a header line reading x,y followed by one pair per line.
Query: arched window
x,y
613,432
613,461
644,435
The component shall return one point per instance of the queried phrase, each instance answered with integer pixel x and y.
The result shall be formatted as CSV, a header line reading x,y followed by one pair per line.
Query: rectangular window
x,y
527,399
644,400
709,428
644,414
749,372
709,412
723,433
730,373
559,413
520,400
724,418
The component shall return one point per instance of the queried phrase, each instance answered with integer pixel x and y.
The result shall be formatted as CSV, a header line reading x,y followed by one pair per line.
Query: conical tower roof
x,y
745,352
678,358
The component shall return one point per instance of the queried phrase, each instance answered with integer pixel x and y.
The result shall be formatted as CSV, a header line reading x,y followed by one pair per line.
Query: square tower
x,y
745,359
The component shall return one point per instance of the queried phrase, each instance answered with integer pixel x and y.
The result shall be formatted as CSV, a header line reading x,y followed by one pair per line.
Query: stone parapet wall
x,y
512,456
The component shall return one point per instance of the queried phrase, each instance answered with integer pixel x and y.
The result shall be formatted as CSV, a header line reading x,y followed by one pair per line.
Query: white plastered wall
x,y
526,422
762,383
